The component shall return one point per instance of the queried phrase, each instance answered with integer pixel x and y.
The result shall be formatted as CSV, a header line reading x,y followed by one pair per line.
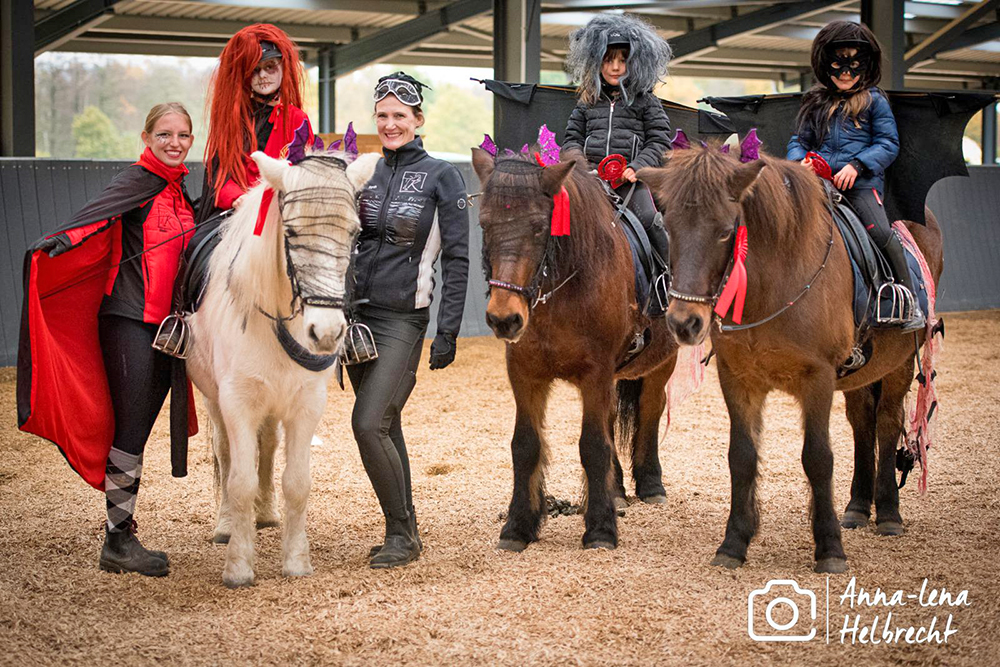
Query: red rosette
x,y
820,166
611,169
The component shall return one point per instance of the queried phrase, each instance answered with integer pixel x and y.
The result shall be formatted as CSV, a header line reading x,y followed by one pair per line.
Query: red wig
x,y
229,99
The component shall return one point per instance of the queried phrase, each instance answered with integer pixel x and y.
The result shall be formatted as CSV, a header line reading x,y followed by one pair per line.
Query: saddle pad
x,y
199,252
638,243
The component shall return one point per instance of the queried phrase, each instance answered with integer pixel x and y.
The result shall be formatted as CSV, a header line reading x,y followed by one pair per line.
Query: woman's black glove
x,y
55,245
442,350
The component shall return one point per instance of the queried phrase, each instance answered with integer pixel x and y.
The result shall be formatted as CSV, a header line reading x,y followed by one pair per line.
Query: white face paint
x,y
266,77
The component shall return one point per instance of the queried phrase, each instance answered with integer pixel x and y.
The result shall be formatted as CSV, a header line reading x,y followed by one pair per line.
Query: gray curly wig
x,y
648,56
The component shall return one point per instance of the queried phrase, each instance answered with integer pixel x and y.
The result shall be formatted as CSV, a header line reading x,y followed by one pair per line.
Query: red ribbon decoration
x,y
265,204
735,291
611,169
560,213
560,206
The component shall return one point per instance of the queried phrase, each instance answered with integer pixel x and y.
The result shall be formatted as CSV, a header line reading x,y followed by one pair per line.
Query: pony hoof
x,y
728,562
267,523
297,571
237,581
516,546
220,538
599,544
889,528
831,566
854,519
620,504
655,500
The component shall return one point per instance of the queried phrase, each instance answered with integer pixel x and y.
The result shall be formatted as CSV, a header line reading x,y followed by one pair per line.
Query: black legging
x,y
874,219
641,203
381,388
138,377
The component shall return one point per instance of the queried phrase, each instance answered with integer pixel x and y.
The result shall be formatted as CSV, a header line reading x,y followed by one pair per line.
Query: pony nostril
x,y
514,324
312,333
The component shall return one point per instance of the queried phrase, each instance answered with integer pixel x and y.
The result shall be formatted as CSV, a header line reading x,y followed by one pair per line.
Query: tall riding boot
x,y
894,252
400,545
659,240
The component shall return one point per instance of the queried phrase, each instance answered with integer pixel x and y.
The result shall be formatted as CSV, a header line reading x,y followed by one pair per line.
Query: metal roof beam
x,y
941,39
382,44
698,42
401,7
84,45
976,36
70,21
130,24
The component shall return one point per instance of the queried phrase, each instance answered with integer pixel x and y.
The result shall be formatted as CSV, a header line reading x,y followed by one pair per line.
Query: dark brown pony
x,y
580,330
705,192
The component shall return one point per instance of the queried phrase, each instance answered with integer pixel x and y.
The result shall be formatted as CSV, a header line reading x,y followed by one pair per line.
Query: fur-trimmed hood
x,y
647,60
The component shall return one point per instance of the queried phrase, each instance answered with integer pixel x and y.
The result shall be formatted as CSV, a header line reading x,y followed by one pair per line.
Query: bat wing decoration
x,y
521,108
930,125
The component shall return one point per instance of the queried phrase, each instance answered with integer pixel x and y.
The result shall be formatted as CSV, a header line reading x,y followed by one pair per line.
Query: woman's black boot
x,y
413,526
122,552
401,545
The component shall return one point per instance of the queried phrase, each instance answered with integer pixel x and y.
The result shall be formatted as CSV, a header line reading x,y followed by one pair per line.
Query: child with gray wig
x,y
617,59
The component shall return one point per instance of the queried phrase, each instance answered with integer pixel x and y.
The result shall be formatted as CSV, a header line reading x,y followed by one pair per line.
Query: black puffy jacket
x,y
412,209
640,131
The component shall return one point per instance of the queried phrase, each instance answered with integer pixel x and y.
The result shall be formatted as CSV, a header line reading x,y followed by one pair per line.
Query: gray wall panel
x,y
37,195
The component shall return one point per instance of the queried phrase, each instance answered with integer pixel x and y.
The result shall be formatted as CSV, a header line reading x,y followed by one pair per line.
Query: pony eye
x,y
725,236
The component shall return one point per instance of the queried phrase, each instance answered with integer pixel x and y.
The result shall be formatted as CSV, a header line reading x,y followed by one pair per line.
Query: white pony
x,y
290,277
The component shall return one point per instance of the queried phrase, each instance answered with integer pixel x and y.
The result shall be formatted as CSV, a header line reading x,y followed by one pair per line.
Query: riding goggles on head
x,y
404,91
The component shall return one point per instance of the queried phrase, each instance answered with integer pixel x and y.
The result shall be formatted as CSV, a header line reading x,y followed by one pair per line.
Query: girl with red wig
x,y
255,104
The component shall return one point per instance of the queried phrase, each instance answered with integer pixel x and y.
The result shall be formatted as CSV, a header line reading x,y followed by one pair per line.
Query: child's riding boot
x,y
659,240
893,250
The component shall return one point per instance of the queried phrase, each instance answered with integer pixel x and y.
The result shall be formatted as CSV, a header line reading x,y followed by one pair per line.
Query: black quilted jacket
x,y
639,131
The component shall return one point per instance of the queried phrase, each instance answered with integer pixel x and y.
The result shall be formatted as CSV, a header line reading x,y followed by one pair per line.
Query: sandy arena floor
x,y
655,600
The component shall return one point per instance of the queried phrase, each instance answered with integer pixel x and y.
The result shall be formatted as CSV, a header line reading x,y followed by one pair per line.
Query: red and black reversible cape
x,y
62,388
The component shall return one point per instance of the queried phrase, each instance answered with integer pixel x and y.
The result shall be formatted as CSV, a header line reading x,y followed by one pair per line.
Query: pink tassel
x,y
685,380
920,432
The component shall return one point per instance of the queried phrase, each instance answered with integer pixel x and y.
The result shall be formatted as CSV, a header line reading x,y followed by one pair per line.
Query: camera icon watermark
x,y
787,593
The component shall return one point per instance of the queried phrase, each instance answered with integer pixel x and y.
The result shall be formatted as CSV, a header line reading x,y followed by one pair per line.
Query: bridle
x,y
711,300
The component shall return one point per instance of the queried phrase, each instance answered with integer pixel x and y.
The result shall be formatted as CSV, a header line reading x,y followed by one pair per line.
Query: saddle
x,y
877,302
199,252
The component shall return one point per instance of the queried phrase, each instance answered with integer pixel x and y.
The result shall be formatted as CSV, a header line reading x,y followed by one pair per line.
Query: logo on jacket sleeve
x,y
413,181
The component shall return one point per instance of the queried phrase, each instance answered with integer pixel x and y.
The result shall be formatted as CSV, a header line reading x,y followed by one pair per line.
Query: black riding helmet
x,y
407,90
841,34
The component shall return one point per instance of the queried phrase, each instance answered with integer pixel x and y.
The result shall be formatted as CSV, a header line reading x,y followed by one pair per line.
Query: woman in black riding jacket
x,y
412,210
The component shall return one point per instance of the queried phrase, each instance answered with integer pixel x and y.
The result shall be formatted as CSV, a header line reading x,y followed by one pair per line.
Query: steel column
x,y
990,134
327,94
885,19
17,78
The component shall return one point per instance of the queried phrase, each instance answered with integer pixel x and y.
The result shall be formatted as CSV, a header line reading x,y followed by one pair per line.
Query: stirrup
x,y
359,345
903,309
173,338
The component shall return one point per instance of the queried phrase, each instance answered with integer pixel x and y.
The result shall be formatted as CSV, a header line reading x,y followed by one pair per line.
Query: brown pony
x,y
791,236
566,307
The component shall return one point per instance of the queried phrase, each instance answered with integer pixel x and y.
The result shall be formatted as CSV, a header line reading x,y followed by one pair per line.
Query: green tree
x,y
456,120
96,136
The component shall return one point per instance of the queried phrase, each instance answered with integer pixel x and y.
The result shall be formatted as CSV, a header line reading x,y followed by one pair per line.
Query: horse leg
x,y
530,456
895,386
241,486
745,403
600,517
620,496
295,484
817,460
220,460
646,470
861,413
267,443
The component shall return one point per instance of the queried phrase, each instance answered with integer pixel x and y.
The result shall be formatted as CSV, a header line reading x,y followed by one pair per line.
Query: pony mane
x,y
784,194
588,247
254,268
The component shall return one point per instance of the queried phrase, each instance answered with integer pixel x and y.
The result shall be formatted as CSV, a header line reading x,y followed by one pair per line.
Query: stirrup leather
x,y
173,337
359,345
903,304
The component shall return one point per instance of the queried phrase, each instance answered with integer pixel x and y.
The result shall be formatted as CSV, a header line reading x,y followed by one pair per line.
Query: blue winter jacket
x,y
875,144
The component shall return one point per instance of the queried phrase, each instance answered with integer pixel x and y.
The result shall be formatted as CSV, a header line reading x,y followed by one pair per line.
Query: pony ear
x,y
554,175
272,170
654,177
744,176
482,162
360,170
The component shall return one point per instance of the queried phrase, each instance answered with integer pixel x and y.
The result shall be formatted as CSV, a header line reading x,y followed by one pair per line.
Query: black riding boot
x,y
659,240
401,544
122,552
893,250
